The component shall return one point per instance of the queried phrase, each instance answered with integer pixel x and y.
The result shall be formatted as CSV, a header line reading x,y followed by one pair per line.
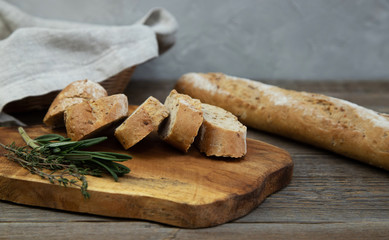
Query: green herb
x,y
58,159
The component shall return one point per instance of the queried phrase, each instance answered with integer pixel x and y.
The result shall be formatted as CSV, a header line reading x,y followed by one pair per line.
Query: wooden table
x,y
330,196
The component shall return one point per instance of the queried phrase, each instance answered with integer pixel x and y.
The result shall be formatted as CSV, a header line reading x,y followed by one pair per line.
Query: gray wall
x,y
259,39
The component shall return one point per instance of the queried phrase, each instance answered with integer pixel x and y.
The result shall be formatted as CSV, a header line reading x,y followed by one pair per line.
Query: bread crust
x,y
145,119
184,121
88,118
316,119
76,92
217,140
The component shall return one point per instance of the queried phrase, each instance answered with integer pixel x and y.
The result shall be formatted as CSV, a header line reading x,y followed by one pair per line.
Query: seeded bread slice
x,y
145,119
76,92
184,121
221,133
88,118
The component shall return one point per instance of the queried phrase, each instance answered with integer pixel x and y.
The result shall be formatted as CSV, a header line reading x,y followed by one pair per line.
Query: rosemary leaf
x,y
68,164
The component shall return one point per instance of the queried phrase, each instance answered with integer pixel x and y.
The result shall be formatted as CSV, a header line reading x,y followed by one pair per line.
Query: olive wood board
x,y
186,190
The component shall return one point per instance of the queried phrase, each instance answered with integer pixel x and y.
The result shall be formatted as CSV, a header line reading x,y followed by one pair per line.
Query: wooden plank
x,y
12,212
328,188
363,86
235,231
333,165
291,231
84,230
324,200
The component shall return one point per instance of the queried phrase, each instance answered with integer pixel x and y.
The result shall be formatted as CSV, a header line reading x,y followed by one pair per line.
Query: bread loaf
x,y
88,118
76,92
141,122
324,121
221,134
184,121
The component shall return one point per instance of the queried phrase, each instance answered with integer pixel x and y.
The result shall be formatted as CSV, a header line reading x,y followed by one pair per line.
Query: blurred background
x,y
258,39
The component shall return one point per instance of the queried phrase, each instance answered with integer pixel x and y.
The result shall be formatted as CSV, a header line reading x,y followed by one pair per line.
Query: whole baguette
x,y
323,121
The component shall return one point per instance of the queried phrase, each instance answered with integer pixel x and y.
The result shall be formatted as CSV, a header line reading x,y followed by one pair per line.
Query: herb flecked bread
x,y
76,92
316,119
221,133
145,119
88,118
184,121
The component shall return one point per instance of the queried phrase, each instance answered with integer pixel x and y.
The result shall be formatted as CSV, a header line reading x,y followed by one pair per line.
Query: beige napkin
x,y
40,55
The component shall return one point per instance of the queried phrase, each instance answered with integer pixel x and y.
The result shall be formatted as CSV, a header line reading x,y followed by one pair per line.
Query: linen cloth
x,y
38,56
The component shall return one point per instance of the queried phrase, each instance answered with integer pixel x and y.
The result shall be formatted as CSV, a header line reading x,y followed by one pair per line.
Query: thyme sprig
x,y
60,160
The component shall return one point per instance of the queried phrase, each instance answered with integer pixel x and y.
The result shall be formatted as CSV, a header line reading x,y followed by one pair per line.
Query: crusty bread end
x,y
76,92
221,133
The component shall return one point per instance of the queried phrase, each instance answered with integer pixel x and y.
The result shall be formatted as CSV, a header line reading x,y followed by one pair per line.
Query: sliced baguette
x,y
323,121
76,92
88,118
184,121
221,134
145,119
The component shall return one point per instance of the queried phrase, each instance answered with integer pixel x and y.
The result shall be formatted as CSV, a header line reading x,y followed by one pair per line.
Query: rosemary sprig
x,y
60,160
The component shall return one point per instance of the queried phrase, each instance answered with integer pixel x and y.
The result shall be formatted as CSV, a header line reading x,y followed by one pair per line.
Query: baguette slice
x,y
221,134
184,121
76,92
323,121
145,119
88,118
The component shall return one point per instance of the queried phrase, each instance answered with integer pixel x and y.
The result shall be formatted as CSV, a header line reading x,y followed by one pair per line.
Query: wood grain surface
x,y
165,185
329,197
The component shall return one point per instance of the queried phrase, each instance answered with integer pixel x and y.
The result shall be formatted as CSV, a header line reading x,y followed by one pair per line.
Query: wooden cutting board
x,y
164,185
